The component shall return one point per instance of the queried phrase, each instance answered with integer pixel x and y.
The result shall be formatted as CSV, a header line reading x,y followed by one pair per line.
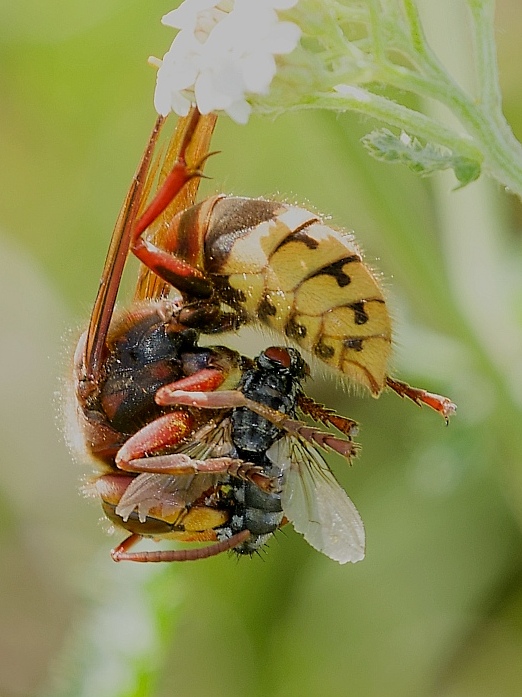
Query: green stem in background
x,y
482,118
391,50
477,261
485,55
383,109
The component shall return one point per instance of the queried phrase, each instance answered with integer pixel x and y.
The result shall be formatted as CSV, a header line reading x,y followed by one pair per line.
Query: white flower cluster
x,y
223,52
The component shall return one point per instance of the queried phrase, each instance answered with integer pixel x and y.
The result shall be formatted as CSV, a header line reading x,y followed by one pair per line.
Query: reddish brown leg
x,y
207,379
172,270
166,430
181,464
120,553
175,181
231,399
127,543
443,405
137,453
164,264
318,412
169,429
169,395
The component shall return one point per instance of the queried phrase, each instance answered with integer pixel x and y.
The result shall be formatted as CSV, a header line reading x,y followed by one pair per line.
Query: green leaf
x,y
422,159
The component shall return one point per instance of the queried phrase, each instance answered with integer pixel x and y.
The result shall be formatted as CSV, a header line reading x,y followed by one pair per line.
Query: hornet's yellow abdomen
x,y
283,266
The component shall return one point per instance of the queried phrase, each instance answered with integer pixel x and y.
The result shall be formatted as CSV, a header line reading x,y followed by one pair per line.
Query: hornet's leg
x,y
120,553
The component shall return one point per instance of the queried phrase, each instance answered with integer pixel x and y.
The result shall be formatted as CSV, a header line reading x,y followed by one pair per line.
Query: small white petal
x,y
224,51
166,101
180,104
239,111
258,70
205,24
179,75
254,15
283,4
162,102
283,38
185,16
208,95
180,65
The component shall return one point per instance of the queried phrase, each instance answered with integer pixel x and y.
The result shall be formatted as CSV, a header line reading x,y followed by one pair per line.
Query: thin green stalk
x,y
483,15
365,102
417,36
391,30
501,151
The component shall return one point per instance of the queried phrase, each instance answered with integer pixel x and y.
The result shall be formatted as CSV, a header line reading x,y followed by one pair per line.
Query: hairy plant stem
x,y
398,55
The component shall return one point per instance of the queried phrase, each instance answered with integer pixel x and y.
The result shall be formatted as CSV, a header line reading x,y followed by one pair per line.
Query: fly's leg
x,y
318,412
231,399
443,405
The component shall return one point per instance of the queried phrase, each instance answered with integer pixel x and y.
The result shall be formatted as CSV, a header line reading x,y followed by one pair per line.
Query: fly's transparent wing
x,y
163,494
214,439
314,502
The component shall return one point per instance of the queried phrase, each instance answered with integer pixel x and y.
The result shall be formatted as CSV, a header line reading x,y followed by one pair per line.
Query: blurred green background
x,y
436,608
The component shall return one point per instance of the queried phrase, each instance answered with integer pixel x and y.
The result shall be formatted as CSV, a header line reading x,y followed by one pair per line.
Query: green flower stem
x,y
418,38
484,120
365,102
483,14
396,28
501,151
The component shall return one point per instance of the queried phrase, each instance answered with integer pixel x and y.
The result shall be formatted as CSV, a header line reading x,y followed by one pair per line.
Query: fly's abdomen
x,y
258,511
276,382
